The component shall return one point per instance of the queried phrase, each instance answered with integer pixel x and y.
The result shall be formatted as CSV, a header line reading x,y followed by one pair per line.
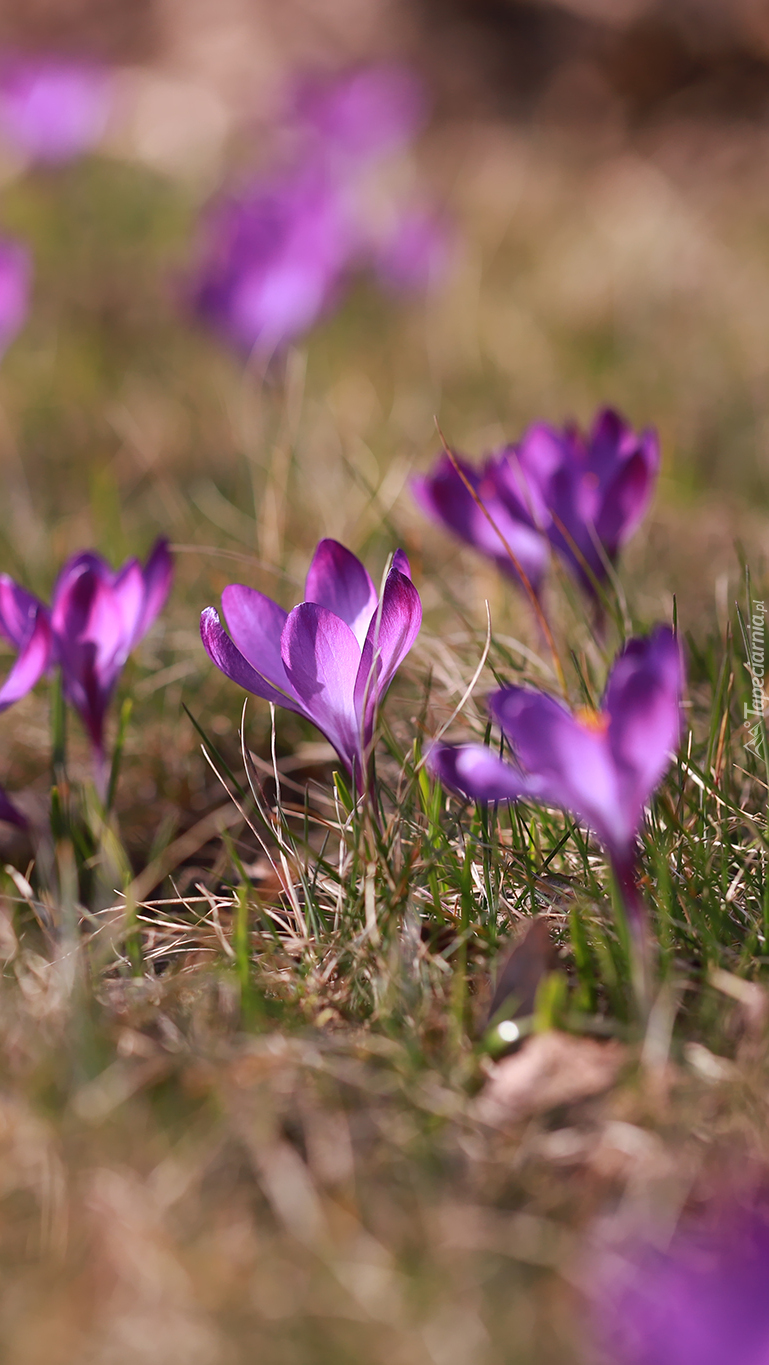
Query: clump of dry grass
x,y
175,1188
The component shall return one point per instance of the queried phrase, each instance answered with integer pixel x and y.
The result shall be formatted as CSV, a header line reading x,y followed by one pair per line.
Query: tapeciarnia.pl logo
x,y
756,668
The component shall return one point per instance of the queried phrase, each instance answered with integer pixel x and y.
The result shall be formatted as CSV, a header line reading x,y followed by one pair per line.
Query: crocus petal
x,y
626,499
116,612
338,581
157,574
574,503
365,113
93,618
531,466
391,634
256,624
322,657
87,658
229,659
31,663
479,774
569,757
52,109
643,703
610,436
445,498
9,813
18,609
700,1301
594,489
71,610
73,568
401,563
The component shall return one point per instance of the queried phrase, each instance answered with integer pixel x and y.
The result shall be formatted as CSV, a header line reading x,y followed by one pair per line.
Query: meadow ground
x,y
249,1109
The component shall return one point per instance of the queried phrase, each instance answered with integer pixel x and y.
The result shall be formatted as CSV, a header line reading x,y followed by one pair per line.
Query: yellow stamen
x,y
597,721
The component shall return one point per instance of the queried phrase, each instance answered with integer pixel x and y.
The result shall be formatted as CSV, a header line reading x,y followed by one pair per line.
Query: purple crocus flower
x,y
52,108
602,766
584,494
702,1302
97,616
273,259
333,657
24,623
15,281
352,122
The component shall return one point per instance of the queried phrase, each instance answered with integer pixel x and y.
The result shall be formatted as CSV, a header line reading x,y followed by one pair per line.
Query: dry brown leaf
x,y
551,1069
521,972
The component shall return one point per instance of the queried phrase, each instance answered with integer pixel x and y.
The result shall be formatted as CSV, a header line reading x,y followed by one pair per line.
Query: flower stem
x,y
58,729
117,754
625,869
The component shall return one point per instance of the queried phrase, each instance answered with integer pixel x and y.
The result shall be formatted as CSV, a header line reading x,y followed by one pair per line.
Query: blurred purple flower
x,y
585,494
602,766
97,616
52,109
703,1302
15,281
333,657
273,258
365,113
24,623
